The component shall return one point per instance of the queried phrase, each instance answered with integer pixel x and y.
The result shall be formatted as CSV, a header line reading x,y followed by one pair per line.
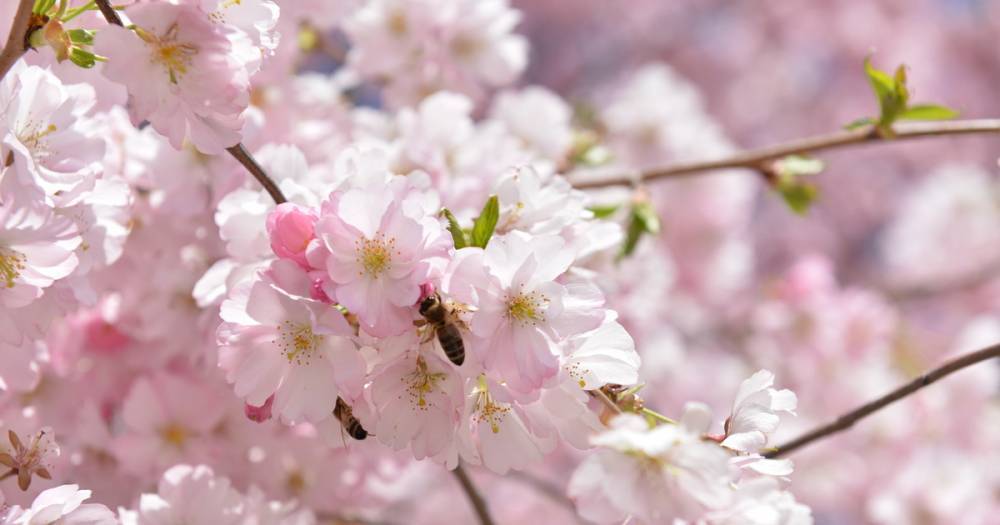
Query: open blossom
x,y
497,432
167,419
53,146
654,474
754,415
62,505
379,249
297,349
523,313
189,494
181,74
36,249
419,398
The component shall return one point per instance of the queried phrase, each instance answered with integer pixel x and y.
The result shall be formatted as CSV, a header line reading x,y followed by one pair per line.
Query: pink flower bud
x,y
318,293
259,414
290,228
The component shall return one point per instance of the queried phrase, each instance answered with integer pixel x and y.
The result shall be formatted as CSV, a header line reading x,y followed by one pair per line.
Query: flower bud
x,y
290,228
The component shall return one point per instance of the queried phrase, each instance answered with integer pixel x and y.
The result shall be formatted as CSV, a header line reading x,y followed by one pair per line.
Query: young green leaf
x,y
457,235
928,112
81,36
604,211
642,220
483,228
84,59
798,195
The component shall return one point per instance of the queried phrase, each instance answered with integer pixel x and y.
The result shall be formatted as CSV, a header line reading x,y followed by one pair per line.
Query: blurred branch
x,y
849,419
759,159
17,40
475,498
239,152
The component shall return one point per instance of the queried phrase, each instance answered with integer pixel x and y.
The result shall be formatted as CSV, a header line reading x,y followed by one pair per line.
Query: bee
x,y
350,423
444,323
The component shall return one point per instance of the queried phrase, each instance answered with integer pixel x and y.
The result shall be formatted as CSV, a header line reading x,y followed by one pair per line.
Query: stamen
x,y
487,409
527,308
297,342
420,383
375,255
174,56
12,263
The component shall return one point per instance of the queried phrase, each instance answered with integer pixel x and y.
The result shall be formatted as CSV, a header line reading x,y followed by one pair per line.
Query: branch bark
x,y
758,159
17,40
849,419
238,152
475,498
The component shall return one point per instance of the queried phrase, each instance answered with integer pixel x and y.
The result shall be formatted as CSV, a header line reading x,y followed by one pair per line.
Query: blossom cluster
x,y
434,292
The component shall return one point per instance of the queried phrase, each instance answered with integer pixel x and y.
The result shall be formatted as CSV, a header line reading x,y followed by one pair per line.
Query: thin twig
x,y
109,12
544,487
475,498
757,159
239,152
17,40
847,420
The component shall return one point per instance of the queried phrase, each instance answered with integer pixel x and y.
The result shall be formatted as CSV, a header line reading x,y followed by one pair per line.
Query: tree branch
x,y
17,40
757,159
849,419
239,152
475,498
109,12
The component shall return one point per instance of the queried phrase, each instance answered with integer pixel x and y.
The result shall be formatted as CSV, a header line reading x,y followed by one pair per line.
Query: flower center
x,y
488,410
297,342
375,255
174,434
527,308
168,52
422,382
33,137
12,263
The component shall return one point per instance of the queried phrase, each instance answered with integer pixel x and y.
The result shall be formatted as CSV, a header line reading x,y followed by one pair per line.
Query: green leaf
x,y
642,220
457,235
928,112
483,228
603,211
899,83
646,215
798,195
882,84
859,123
81,36
82,58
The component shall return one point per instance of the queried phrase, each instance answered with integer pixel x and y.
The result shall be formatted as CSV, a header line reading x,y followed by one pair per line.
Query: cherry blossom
x,y
201,88
295,348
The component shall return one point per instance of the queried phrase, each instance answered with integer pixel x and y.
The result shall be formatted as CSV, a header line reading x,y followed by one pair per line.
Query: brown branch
x,y
475,498
758,159
849,419
239,152
17,40
109,12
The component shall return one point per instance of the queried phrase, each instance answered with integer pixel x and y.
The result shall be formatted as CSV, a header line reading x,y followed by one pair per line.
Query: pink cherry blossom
x,y
380,250
291,229
180,73
523,313
295,348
